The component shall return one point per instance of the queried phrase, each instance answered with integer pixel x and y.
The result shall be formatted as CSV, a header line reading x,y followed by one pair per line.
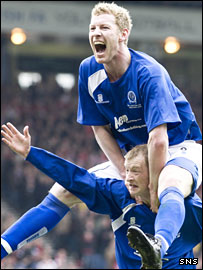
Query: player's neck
x,y
118,66
145,198
147,202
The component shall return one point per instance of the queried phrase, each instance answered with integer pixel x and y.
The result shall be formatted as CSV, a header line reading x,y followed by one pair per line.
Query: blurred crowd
x,y
82,240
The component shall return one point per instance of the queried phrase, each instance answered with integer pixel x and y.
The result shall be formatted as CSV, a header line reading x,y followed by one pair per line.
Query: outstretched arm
x,y
16,141
84,185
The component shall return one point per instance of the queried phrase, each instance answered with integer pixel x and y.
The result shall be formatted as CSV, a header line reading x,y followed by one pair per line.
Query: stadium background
x,y
57,41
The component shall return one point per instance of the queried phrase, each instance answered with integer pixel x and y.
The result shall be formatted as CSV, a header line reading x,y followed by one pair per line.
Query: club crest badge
x,y
132,102
132,97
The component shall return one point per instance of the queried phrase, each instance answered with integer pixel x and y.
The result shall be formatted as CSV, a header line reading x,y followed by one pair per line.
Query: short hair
x,y
135,151
122,16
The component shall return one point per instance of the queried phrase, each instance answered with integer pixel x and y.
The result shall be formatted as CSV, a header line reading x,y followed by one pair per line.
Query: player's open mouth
x,y
133,186
100,47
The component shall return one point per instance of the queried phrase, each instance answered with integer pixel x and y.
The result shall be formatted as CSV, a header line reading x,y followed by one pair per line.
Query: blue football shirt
x,y
111,197
142,99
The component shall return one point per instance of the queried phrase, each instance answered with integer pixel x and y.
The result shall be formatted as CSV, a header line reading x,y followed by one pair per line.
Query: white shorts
x,y
106,170
190,150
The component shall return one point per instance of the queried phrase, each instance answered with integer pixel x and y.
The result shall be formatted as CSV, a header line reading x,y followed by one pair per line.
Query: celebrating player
x,y
129,99
117,199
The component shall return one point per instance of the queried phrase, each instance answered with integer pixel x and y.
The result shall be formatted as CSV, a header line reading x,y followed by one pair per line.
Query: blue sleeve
x,y
88,113
159,106
99,194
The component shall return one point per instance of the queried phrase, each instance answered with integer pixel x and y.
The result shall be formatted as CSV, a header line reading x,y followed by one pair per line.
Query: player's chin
x,y
133,193
100,60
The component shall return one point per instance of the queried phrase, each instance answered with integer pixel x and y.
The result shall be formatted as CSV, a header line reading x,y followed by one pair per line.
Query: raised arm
x,y
16,141
84,185
110,147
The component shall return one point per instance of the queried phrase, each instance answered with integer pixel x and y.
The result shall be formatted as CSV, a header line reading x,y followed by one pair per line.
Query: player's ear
x,y
123,35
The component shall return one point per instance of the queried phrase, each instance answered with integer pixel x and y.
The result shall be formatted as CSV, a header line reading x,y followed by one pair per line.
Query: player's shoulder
x,y
120,193
146,64
89,66
143,57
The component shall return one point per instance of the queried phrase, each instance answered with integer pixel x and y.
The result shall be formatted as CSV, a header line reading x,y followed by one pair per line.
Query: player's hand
x,y
16,141
154,201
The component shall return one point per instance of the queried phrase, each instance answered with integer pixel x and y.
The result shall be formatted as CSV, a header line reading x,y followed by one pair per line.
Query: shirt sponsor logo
x,y
120,121
124,119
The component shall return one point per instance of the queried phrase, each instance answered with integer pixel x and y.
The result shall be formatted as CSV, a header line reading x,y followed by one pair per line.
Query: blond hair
x,y
135,151
122,16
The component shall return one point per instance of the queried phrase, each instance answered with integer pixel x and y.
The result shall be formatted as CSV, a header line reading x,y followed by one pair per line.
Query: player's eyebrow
x,y
133,167
103,24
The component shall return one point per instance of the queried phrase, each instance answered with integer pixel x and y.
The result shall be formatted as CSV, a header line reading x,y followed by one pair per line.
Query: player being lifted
x,y
129,99
116,198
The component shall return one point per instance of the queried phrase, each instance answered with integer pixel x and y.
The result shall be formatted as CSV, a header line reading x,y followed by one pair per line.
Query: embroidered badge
x,y
132,97
100,98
